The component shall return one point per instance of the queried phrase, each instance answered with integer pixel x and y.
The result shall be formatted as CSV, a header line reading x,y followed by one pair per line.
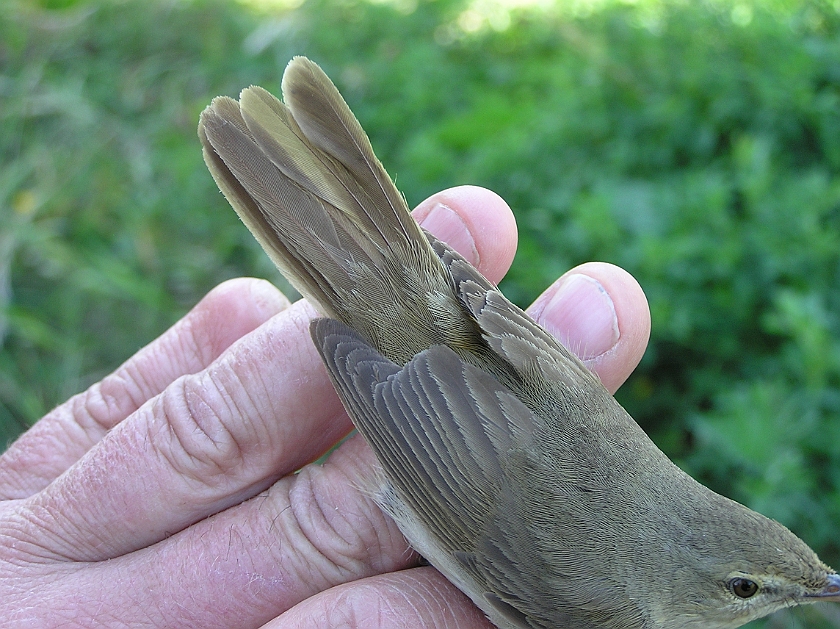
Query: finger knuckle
x,y
346,533
203,429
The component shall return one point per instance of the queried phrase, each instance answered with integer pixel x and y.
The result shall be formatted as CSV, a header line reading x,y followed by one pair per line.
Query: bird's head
x,y
742,567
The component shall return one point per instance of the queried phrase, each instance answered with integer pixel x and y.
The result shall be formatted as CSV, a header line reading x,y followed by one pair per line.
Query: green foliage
x,y
696,144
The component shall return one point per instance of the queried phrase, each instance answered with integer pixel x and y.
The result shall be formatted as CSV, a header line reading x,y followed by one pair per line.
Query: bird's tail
x,y
304,179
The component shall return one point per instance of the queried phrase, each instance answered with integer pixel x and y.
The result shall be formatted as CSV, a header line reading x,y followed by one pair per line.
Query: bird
x,y
505,463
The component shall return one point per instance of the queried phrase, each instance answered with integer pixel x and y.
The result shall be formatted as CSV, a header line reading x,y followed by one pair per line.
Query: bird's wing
x,y
441,429
443,432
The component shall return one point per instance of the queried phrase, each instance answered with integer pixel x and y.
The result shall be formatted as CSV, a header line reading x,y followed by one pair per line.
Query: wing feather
x,y
442,429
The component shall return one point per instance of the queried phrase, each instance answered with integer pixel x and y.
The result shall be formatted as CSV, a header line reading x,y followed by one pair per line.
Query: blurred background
x,y
694,143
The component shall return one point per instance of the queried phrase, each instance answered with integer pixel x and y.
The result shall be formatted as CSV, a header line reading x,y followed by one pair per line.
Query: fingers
x,y
416,598
263,409
57,441
309,532
600,313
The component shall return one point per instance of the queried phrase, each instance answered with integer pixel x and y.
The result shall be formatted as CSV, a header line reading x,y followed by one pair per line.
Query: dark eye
x,y
743,588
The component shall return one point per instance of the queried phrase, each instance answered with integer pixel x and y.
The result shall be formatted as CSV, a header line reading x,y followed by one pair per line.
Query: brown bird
x,y
504,461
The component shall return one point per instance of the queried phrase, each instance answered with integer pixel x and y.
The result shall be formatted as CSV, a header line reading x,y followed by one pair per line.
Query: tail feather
x,y
328,123
223,122
277,133
293,227
305,181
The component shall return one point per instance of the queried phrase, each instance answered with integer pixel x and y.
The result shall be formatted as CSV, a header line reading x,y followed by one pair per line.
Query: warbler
x,y
504,461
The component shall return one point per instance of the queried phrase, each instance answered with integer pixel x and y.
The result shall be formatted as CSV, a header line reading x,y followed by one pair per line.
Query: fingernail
x,y
445,223
582,316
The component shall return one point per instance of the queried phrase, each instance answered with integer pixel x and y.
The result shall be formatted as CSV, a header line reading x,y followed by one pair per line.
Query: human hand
x,y
165,495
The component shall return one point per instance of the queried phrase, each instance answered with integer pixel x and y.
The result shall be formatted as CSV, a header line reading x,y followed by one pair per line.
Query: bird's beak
x,y
831,591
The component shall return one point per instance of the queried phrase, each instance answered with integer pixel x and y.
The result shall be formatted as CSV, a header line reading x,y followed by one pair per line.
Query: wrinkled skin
x,y
163,496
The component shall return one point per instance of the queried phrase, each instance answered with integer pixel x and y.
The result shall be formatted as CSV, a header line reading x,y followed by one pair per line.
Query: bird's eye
x,y
743,588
